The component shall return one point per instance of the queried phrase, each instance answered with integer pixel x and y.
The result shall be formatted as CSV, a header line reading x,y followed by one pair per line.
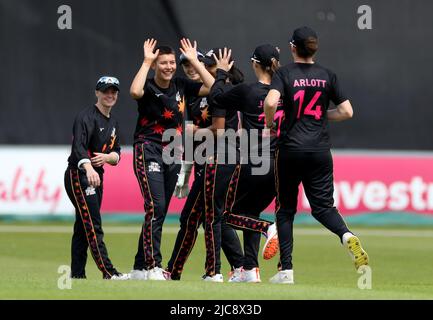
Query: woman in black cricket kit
x,y
219,169
303,153
247,202
192,215
95,143
161,106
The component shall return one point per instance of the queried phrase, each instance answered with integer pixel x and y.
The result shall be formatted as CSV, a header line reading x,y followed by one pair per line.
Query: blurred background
x,y
383,158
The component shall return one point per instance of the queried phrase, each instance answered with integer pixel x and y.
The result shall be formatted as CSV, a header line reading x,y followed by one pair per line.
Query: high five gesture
x,y
150,56
189,50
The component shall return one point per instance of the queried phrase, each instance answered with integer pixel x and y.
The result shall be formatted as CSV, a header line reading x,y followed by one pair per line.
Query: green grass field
x,y
401,262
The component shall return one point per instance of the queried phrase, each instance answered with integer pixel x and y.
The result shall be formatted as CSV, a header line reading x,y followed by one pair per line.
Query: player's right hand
x,y
148,48
188,49
223,59
93,177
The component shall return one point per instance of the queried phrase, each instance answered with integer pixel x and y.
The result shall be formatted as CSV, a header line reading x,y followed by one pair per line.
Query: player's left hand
x,y
188,49
100,159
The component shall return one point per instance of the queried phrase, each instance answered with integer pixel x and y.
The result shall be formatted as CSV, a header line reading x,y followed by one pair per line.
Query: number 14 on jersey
x,y
311,109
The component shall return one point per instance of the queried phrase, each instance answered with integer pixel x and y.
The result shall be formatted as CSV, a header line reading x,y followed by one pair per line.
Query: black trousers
x,y
88,231
315,171
251,194
157,182
213,181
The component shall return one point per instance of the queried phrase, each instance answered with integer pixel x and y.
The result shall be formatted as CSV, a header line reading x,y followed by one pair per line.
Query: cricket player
x,y
161,106
95,143
303,153
247,202
200,114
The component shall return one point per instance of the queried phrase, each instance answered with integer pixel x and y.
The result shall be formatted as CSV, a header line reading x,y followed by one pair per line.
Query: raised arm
x,y
190,52
137,86
222,93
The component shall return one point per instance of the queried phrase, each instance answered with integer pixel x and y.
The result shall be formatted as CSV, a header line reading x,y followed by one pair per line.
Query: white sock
x,y
346,236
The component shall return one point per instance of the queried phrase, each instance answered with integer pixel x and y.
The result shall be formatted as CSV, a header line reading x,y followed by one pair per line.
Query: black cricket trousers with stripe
x,y
249,195
193,215
88,231
157,182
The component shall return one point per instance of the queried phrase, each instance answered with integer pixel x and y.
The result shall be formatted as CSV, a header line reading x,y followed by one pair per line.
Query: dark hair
x,y
272,69
309,48
165,50
236,76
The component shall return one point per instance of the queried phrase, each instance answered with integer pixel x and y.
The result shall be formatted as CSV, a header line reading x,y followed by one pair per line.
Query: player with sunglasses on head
x,y
95,143
199,116
248,202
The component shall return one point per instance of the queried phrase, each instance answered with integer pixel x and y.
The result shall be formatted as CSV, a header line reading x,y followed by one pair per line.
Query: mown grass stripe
x,y
172,230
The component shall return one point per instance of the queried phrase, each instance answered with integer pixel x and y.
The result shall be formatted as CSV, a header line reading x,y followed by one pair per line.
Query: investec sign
x,y
383,182
31,182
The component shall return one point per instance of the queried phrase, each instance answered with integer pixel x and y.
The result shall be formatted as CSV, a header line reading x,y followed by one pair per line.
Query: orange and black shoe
x,y
272,246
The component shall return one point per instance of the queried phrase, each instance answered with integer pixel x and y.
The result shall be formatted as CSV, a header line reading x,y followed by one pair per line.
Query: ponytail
x,y
308,49
272,68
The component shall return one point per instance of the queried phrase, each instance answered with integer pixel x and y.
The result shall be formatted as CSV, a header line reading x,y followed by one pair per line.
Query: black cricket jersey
x,y
306,90
199,112
93,132
163,108
219,110
248,99
231,116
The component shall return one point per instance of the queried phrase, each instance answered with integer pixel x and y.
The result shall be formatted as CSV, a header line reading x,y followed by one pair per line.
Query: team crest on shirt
x,y
203,103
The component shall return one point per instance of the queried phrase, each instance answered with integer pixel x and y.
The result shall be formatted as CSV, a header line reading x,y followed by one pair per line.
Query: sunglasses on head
x,y
107,80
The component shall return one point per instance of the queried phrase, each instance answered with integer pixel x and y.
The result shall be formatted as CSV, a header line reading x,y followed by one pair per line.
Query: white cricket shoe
x,y
120,277
156,273
237,275
215,278
252,275
284,276
271,247
138,274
